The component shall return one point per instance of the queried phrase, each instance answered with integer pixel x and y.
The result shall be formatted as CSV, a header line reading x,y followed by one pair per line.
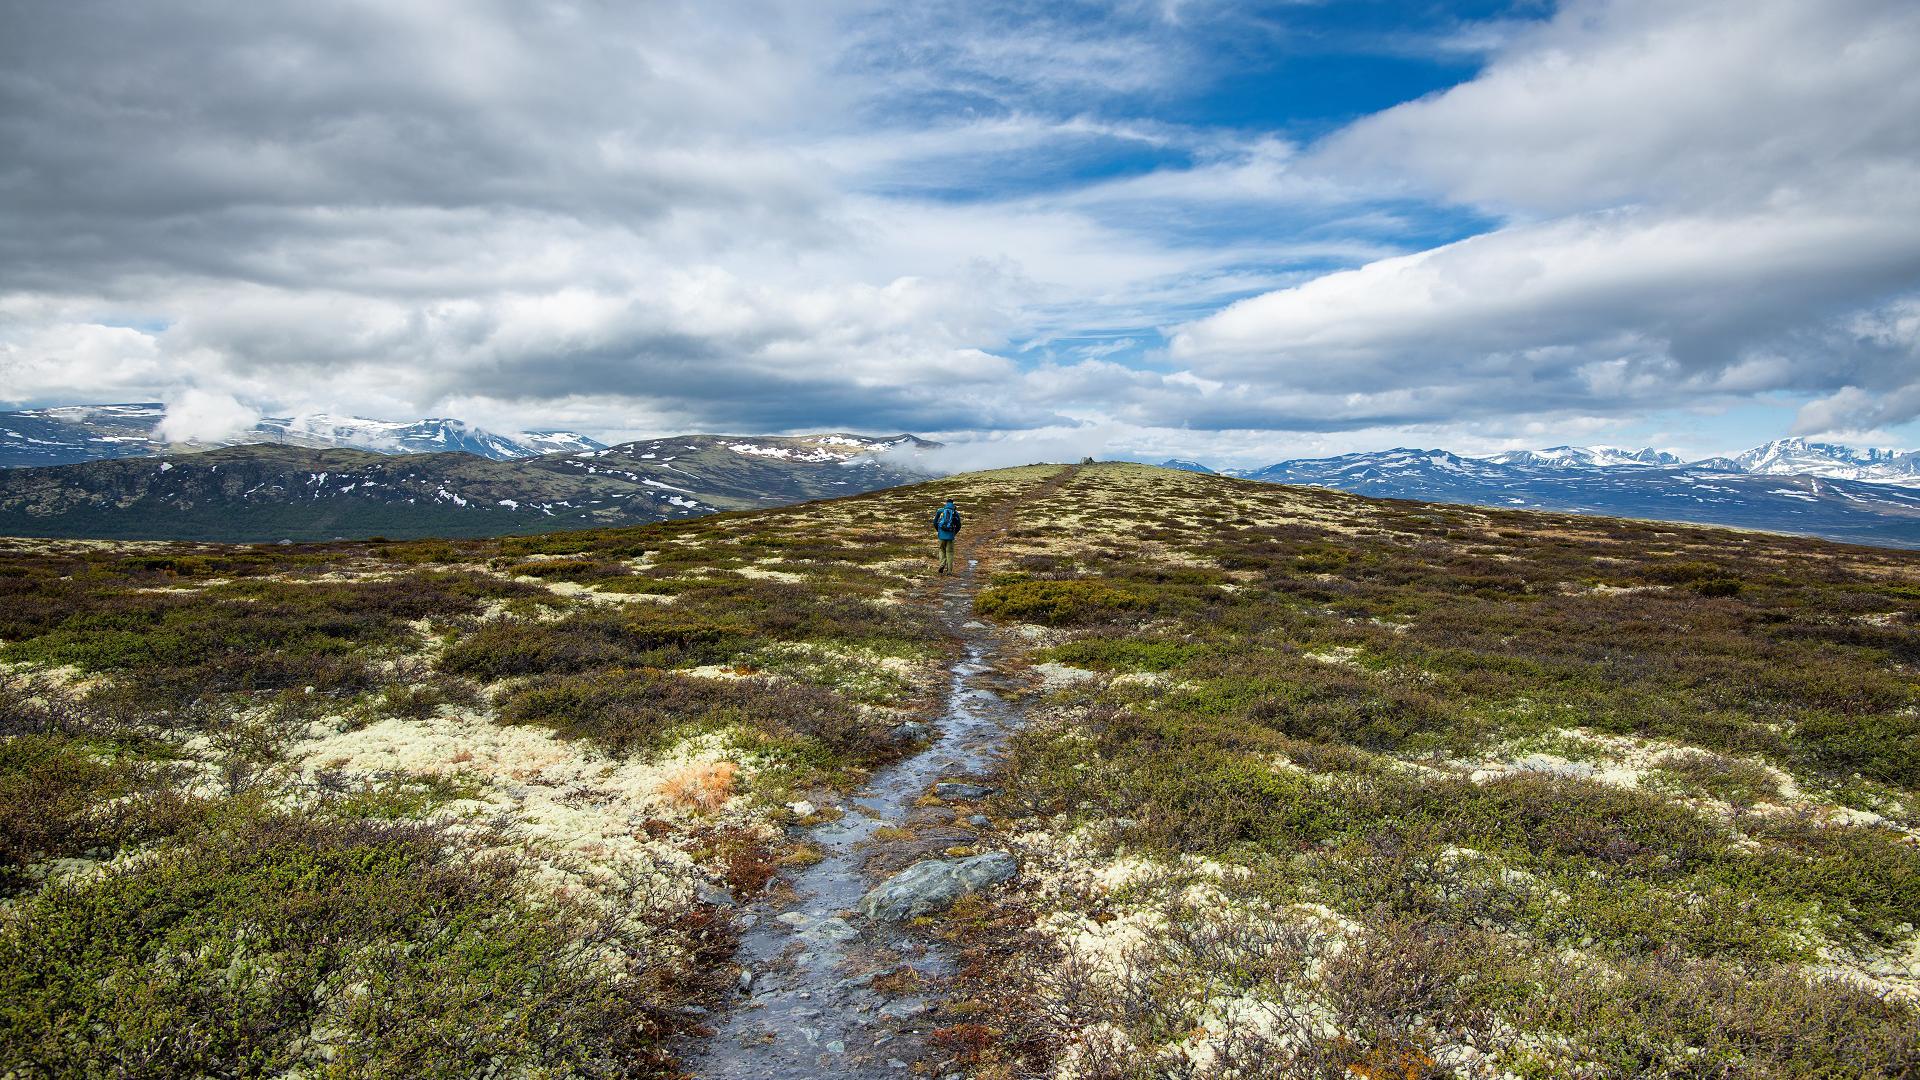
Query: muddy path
x,y
823,991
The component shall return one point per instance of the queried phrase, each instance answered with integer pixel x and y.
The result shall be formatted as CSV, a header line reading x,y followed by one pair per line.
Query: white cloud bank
x,y
683,216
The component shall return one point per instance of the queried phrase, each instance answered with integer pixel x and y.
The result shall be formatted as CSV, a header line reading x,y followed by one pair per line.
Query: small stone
x,y
948,789
714,895
795,919
835,1046
912,731
801,808
746,980
896,1063
904,1010
979,821
830,931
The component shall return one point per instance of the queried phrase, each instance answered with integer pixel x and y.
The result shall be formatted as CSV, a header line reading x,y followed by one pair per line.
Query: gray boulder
x,y
933,884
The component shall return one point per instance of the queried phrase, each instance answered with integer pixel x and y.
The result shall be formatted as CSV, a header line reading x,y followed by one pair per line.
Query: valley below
x,y
1186,776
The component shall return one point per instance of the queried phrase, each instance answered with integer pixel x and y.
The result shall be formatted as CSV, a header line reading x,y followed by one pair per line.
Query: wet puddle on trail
x,y
809,1005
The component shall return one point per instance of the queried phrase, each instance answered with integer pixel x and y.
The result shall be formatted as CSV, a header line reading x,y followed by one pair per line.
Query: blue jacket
x,y
947,534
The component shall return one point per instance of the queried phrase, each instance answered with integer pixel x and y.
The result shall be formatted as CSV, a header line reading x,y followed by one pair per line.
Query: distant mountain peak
x,y
1799,456
1185,465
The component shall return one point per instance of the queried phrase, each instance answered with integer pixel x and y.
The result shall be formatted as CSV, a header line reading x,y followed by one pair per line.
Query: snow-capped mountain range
x,y
70,434
1781,457
1592,457
1798,457
1791,485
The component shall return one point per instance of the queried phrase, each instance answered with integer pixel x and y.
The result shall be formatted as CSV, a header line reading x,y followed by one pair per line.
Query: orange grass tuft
x,y
703,786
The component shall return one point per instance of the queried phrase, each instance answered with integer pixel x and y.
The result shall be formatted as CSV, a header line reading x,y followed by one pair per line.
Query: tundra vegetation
x,y
1344,787
1315,785
446,808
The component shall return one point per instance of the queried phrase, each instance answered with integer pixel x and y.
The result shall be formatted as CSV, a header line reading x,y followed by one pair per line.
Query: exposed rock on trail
x,y
934,884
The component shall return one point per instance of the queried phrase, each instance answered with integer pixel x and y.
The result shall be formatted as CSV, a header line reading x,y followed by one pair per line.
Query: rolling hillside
x,y
1186,776
266,493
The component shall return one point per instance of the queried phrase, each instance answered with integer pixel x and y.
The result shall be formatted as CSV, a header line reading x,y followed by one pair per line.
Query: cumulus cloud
x,y
683,212
1571,303
1885,390
1616,102
1702,200
202,416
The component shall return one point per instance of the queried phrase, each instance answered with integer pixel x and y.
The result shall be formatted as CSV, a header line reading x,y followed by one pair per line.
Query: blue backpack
x,y
947,520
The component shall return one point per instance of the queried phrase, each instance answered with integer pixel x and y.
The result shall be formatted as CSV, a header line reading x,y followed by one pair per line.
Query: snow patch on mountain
x,y
431,435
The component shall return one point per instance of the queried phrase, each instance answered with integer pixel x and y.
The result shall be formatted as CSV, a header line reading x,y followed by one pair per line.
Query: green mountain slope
x,y
1298,783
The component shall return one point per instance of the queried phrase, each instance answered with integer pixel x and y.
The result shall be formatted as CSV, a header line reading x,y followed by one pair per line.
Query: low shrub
x,y
630,710
1125,654
570,569
65,797
1741,783
1884,747
508,648
1057,603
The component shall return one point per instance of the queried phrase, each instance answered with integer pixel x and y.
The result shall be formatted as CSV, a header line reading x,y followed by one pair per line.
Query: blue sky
x,y
1236,232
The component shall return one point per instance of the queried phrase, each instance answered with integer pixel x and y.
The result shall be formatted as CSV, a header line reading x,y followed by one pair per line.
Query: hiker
x,y
946,525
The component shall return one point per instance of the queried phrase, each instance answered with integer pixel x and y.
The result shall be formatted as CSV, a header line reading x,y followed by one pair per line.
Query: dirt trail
x,y
827,993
